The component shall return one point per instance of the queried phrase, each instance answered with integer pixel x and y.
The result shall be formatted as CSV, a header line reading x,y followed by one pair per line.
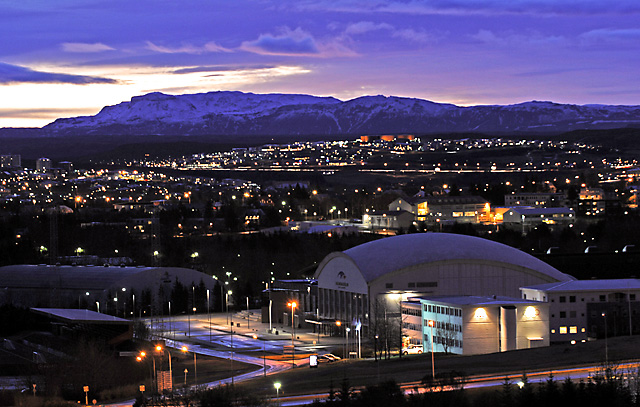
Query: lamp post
x,y
195,364
606,347
433,369
293,306
208,315
338,324
231,333
346,340
264,362
161,350
277,385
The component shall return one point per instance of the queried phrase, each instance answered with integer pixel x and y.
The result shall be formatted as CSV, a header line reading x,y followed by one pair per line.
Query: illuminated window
x,y
573,329
563,330
583,330
457,214
553,331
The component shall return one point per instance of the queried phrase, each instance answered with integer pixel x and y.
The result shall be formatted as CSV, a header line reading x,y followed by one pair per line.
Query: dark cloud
x,y
18,74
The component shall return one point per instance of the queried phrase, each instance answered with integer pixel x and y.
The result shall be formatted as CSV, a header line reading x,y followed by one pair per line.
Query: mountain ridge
x,y
231,113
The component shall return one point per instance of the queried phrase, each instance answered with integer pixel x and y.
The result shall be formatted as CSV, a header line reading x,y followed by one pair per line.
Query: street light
x,y
346,341
433,369
208,315
606,347
264,362
277,385
159,349
293,306
195,364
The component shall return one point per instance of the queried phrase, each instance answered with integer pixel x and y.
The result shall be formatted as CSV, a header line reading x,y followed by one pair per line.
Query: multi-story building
x,y
475,324
583,309
43,164
389,220
10,161
528,217
591,202
536,199
444,208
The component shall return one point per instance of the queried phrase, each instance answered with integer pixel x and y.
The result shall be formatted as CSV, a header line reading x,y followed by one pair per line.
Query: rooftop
x,y
80,315
380,257
589,285
475,300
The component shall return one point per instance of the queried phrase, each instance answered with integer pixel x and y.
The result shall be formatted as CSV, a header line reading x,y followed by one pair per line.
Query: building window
x,y
583,330
412,285
427,284
563,330
563,314
563,298
553,331
573,329
572,298
389,285
603,298
632,297
572,314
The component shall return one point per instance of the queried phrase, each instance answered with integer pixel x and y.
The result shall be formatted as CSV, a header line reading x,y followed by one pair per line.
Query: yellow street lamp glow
x,y
277,385
184,349
158,348
143,354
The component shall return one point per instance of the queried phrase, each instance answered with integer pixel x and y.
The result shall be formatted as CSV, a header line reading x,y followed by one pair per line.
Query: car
x,y
412,350
327,358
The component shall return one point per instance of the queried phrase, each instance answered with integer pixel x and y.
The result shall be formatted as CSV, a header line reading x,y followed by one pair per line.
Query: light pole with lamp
x,y
195,364
346,341
293,306
339,324
264,362
433,369
277,385
606,347
159,348
209,314
231,333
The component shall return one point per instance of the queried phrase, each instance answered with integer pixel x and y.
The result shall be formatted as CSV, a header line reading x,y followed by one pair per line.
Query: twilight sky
x,y
72,57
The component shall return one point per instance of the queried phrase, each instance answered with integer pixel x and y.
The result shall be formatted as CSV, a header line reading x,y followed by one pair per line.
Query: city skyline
x,y
72,58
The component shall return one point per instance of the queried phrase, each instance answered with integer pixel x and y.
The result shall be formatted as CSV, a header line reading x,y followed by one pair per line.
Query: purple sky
x,y
71,57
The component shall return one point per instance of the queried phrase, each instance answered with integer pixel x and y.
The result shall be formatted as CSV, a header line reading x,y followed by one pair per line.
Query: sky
x,y
68,58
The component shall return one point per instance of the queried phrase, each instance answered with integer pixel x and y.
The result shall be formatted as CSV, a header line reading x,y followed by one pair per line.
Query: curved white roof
x,y
380,257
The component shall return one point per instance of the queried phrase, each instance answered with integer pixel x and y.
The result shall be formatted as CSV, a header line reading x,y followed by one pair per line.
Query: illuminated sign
x,y
342,276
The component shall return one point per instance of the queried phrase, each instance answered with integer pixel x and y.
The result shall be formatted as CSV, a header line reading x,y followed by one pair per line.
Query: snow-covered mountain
x,y
237,113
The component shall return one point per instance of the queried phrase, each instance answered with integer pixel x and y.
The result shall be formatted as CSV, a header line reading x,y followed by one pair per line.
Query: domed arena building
x,y
353,285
